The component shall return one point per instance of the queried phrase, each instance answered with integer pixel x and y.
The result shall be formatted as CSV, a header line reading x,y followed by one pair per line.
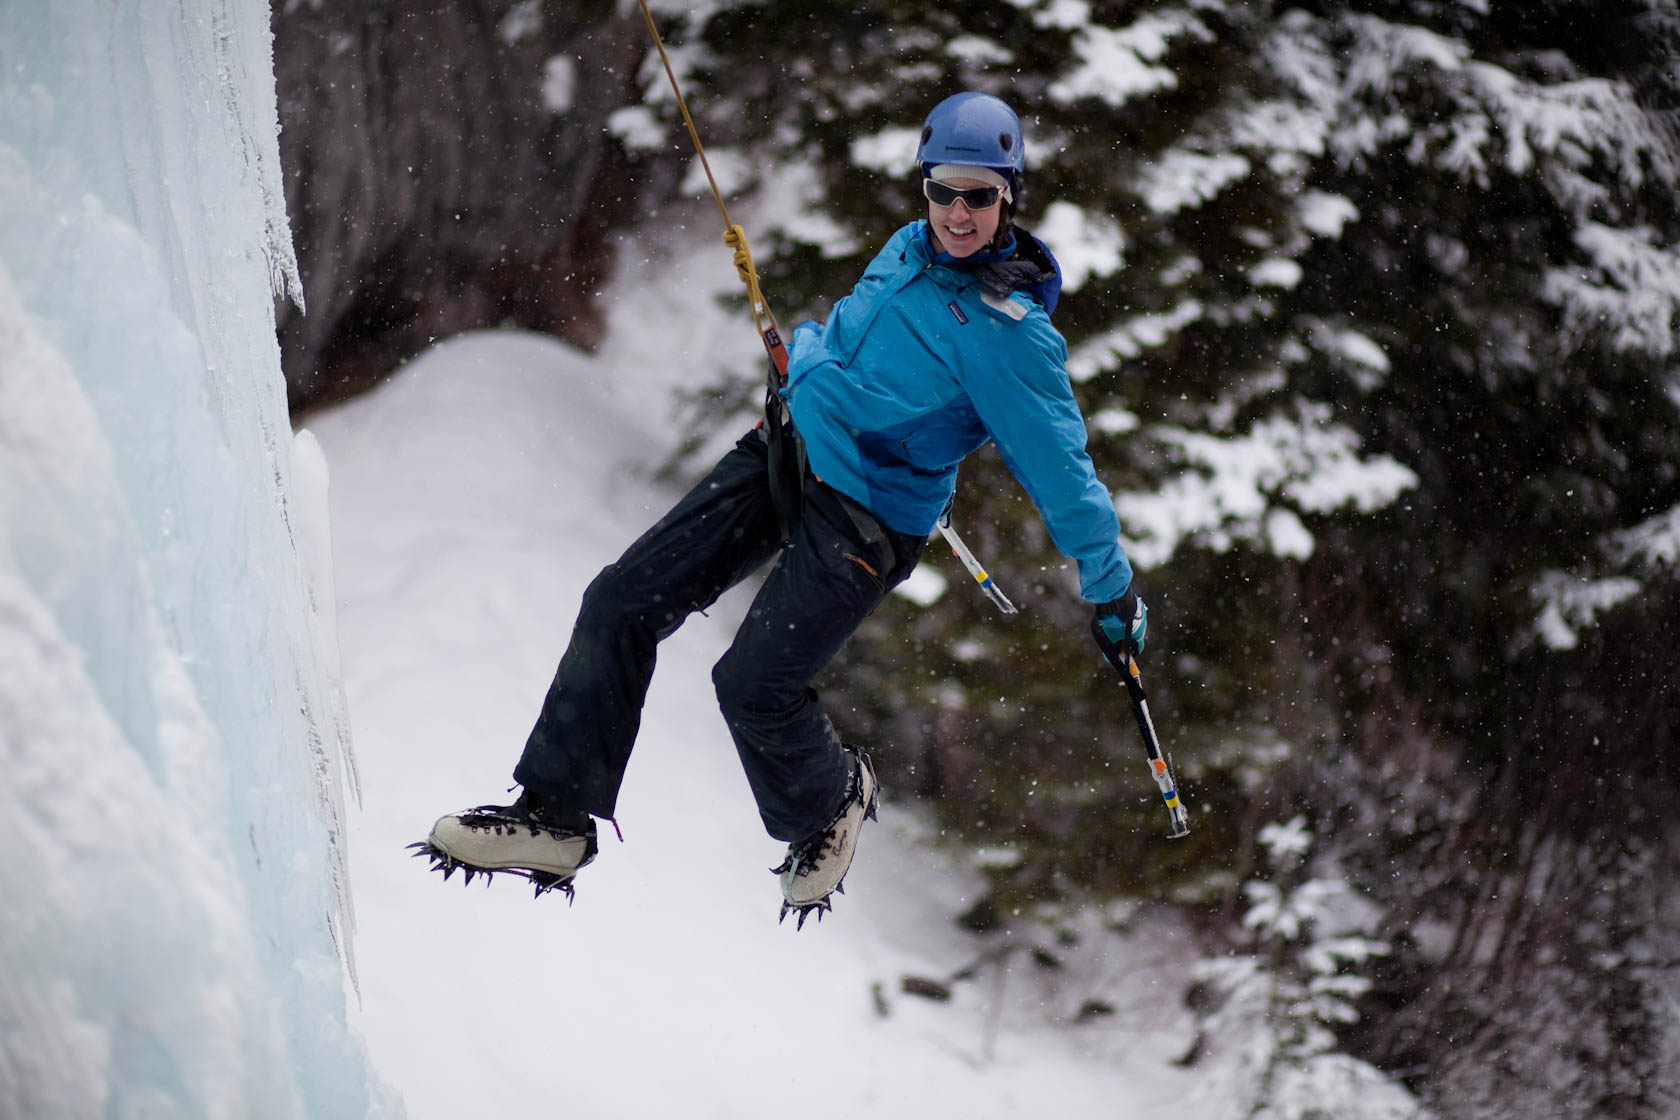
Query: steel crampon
x,y
543,881
819,908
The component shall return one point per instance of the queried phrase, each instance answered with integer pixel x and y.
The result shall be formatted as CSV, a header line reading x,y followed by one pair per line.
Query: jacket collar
x,y
1023,264
934,255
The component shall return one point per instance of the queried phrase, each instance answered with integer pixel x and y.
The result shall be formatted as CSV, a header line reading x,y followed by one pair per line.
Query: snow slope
x,y
473,497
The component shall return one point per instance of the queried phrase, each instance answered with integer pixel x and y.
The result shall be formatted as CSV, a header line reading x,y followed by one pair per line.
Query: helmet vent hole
x,y
1006,140
927,134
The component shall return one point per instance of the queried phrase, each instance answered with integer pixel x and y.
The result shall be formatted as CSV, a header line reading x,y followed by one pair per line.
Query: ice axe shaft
x,y
962,552
1125,661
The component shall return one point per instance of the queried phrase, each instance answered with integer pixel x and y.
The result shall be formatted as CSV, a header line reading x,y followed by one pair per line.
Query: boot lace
x,y
803,856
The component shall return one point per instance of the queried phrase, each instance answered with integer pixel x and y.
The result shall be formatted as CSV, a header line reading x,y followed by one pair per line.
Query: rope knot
x,y
736,238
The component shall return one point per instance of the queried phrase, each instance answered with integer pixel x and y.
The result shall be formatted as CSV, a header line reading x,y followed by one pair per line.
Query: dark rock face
x,y
448,166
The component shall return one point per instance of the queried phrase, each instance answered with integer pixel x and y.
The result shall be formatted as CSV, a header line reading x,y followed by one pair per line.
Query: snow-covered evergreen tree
x,y
1515,259
1372,310
1269,1014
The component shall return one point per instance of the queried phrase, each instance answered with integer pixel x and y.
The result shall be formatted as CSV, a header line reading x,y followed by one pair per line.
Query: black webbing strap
x,y
785,455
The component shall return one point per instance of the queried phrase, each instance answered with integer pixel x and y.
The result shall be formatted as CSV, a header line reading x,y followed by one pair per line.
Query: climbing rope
x,y
733,235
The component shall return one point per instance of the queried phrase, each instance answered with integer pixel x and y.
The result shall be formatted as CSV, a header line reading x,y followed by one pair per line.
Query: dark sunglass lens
x,y
975,198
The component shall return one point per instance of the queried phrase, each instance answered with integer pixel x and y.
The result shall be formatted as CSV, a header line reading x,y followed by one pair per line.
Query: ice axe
x,y
1123,656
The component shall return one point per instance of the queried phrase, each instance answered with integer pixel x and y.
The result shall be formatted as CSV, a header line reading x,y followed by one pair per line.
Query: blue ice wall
x,y
176,938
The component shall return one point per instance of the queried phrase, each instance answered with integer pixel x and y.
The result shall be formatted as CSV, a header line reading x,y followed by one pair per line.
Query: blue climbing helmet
x,y
975,129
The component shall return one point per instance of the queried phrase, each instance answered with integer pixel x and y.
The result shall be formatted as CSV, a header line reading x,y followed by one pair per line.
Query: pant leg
x,y
719,533
825,584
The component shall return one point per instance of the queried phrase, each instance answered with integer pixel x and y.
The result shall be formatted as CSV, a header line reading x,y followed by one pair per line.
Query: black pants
x,y
835,570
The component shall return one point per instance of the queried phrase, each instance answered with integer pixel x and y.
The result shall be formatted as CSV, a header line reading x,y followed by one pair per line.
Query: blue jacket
x,y
923,363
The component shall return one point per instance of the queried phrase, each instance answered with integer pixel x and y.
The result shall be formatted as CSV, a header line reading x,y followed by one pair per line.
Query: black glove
x,y
1120,621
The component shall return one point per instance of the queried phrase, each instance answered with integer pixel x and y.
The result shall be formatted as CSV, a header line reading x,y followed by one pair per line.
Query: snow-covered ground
x,y
473,497
174,655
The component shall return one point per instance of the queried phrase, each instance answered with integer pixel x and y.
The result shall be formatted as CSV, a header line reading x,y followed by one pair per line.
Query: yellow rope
x,y
733,235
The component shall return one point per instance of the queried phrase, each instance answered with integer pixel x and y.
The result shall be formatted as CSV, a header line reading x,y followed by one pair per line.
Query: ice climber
x,y
943,344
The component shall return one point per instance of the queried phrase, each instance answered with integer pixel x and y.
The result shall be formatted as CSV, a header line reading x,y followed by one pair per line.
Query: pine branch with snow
x,y
1269,1015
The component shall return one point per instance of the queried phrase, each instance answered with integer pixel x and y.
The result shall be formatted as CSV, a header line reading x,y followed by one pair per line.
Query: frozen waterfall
x,y
174,747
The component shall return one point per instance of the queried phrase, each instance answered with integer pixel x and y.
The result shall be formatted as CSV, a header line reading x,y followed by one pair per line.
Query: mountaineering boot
x,y
816,867
531,838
